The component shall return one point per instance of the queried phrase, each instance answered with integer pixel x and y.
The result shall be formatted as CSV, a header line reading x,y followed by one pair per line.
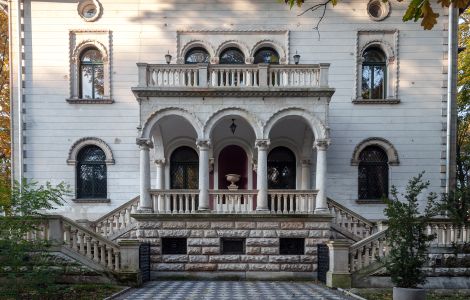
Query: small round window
x,y
378,10
89,10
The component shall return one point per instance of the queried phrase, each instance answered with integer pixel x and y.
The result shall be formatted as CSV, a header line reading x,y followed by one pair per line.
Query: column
x,y
145,203
338,274
305,166
203,146
321,205
159,206
262,175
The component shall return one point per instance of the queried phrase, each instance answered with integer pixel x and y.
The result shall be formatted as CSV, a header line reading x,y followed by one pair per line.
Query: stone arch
x,y
270,44
384,46
241,112
196,44
233,141
289,144
320,131
171,111
87,141
77,51
177,143
236,44
388,147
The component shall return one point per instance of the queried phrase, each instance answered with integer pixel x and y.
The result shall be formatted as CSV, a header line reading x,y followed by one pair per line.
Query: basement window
x,y
232,246
174,246
291,246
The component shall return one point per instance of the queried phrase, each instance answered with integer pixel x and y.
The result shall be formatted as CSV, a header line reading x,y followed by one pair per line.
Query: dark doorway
x,y
184,169
281,168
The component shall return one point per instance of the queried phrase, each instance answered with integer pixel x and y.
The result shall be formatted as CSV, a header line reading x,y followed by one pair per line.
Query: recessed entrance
x,y
233,160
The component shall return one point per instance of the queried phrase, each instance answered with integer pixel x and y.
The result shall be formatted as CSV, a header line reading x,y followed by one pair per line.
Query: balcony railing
x,y
227,201
207,77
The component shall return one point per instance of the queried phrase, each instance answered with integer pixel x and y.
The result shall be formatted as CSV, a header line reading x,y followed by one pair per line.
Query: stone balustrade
x,y
117,219
229,76
349,220
227,201
447,234
291,201
366,251
175,201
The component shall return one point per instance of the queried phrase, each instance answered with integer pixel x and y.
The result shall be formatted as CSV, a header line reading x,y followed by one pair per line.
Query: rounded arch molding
x,y
271,44
384,46
171,111
87,141
320,131
196,44
77,51
388,147
235,44
237,111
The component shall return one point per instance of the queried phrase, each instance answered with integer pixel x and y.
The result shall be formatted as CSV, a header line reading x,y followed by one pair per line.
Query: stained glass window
x,y
232,56
196,56
266,56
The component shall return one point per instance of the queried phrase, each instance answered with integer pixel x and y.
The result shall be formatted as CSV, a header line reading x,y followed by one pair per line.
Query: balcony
x,y
206,80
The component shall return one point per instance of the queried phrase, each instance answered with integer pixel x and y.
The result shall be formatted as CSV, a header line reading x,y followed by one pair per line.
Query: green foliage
x,y
406,233
22,260
456,206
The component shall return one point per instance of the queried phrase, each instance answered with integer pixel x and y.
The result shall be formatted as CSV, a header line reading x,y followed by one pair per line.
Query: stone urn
x,y
232,178
408,294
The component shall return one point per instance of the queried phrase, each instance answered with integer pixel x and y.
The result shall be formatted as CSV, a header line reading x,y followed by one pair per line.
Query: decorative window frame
x,y
385,6
196,44
72,160
234,44
81,5
80,40
271,44
388,147
387,41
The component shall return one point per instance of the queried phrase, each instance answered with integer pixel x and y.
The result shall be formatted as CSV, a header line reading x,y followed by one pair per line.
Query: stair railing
x,y
365,252
349,220
117,219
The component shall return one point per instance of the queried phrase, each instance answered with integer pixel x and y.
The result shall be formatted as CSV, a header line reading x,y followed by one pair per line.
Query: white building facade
x,y
227,111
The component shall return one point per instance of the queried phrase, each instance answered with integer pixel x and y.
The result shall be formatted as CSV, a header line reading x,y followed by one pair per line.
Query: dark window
x,y
374,74
232,246
174,246
232,56
184,169
91,74
373,173
291,246
196,56
266,56
281,169
91,173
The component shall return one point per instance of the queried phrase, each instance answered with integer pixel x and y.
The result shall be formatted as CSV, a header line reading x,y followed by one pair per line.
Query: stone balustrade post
x,y
321,206
263,75
145,204
324,70
338,274
262,175
142,72
305,167
55,232
159,205
202,74
203,146
129,260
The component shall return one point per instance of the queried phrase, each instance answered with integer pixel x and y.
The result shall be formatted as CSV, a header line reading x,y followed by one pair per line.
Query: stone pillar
x,y
158,206
55,232
262,175
203,146
145,204
338,275
305,165
321,206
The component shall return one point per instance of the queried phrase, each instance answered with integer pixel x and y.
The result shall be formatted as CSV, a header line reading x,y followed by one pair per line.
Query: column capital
x,y
160,162
262,144
305,162
322,145
144,143
203,144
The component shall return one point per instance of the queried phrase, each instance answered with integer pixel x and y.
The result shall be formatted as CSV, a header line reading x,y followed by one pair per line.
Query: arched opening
x,y
184,168
232,56
91,74
233,160
374,73
281,169
266,55
373,174
197,55
91,173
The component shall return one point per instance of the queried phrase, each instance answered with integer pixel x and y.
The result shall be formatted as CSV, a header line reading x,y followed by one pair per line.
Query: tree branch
x,y
314,8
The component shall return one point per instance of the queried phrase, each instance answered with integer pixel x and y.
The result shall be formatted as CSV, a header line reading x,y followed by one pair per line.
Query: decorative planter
x,y
408,294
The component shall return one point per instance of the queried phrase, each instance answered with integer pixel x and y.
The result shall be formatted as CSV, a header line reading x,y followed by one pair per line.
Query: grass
x,y
62,291
386,294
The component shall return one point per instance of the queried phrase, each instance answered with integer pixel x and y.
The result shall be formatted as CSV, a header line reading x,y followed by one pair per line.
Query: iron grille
x,y
232,246
91,173
291,246
184,169
373,173
323,262
144,261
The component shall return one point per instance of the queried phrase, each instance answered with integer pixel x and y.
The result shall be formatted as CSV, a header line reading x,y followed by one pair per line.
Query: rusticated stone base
x,y
261,232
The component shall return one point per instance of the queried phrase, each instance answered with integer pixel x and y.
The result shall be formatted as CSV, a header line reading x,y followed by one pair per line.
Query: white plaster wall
x,y
143,31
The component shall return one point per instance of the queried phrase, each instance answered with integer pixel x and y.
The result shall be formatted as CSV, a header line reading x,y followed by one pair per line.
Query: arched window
x,y
91,74
184,169
91,173
266,56
232,56
281,168
374,74
373,173
196,56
